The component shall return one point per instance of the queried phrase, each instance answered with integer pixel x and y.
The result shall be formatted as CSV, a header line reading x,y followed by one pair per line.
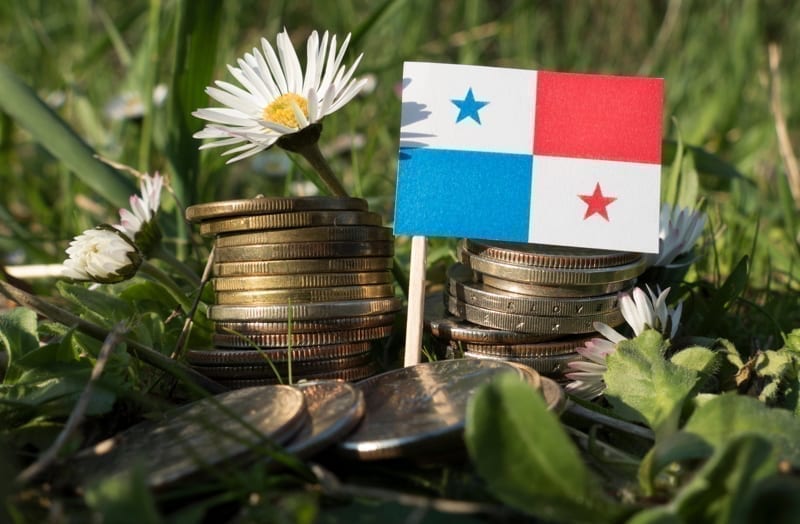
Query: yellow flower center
x,y
280,110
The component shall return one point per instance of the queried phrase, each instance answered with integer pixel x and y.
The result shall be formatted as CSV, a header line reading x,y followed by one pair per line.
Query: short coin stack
x,y
531,303
302,287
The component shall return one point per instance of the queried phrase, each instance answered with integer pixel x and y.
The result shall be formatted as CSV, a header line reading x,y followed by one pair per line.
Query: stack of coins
x,y
302,287
531,303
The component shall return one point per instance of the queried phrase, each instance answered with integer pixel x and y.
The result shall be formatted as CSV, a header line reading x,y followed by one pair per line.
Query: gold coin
x,y
303,250
290,220
349,375
530,323
460,285
305,326
313,311
550,276
549,256
268,205
561,291
553,365
300,281
559,346
303,367
307,234
222,340
227,357
303,295
292,267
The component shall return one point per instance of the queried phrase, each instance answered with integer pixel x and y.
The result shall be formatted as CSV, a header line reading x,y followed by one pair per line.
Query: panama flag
x,y
530,156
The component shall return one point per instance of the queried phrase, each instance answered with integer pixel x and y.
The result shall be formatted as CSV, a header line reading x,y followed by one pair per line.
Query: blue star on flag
x,y
469,107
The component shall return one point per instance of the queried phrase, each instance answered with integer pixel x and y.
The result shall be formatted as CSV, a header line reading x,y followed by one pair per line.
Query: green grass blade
x,y
47,128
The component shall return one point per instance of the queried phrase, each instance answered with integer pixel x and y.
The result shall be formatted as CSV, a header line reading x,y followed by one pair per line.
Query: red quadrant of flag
x,y
598,117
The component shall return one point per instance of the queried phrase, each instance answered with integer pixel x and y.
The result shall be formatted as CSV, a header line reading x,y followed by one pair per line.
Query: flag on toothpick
x,y
530,156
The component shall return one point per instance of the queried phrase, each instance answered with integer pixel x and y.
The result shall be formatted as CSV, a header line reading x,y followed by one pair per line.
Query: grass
x,y
79,55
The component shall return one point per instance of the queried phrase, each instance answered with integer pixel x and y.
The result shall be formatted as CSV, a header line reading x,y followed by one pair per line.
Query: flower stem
x,y
313,155
169,284
188,273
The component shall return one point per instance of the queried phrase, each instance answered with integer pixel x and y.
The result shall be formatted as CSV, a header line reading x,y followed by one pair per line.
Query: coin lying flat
x,y
460,285
290,220
275,369
313,311
559,291
530,323
303,266
319,338
350,375
334,408
227,357
443,325
191,438
303,295
308,234
293,250
550,276
268,205
418,409
305,326
549,256
554,365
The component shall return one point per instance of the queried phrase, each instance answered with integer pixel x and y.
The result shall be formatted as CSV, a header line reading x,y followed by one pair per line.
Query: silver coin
x,y
561,291
200,435
418,409
461,285
554,365
530,323
550,276
334,407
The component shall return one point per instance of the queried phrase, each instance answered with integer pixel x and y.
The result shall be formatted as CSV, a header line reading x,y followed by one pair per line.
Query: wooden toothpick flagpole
x,y
416,300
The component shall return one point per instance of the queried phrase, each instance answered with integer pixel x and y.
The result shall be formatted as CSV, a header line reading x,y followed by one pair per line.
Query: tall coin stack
x,y
302,287
530,303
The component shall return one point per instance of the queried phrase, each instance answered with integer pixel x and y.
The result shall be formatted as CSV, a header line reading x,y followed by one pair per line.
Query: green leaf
x,y
725,417
59,139
716,493
702,360
123,499
678,447
18,336
645,387
526,457
96,305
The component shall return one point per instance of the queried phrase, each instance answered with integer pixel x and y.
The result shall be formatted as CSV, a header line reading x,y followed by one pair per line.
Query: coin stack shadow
x,y
302,288
529,303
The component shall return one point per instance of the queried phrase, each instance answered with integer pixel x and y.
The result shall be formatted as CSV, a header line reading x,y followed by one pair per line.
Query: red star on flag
x,y
597,203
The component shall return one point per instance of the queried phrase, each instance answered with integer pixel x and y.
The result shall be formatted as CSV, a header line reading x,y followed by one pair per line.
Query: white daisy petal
x,y
275,96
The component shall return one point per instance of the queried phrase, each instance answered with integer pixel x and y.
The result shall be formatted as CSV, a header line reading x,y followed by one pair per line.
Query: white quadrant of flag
x,y
527,156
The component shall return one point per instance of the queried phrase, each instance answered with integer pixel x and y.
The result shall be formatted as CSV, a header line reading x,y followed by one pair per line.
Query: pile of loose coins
x,y
529,303
302,287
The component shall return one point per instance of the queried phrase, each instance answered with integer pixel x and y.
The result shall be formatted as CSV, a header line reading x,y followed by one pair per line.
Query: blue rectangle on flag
x,y
450,193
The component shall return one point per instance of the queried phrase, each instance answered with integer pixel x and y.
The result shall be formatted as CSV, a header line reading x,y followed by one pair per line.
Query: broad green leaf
x,y
678,447
123,499
716,493
59,139
728,416
97,306
792,341
645,387
18,336
697,358
526,457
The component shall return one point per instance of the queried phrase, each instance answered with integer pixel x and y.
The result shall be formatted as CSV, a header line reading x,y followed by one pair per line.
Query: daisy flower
x,y
679,229
641,311
143,208
103,254
276,98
